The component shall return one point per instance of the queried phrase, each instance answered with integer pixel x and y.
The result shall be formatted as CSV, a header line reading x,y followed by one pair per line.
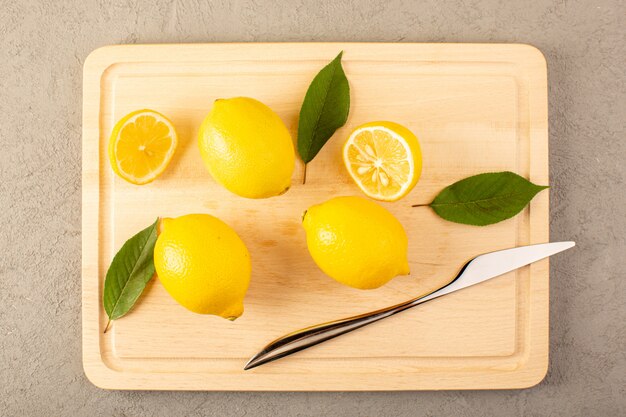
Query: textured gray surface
x,y
43,46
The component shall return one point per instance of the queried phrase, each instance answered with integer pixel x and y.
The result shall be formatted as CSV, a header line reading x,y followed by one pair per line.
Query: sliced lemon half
x,y
142,145
384,159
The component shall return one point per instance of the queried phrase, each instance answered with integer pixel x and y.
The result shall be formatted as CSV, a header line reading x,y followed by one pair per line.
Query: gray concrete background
x,y
43,46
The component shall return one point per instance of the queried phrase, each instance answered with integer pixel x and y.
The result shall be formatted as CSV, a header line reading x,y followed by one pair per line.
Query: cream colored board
x,y
474,107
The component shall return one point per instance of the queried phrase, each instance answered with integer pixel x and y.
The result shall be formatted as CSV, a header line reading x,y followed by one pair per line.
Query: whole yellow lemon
x,y
203,264
247,148
356,241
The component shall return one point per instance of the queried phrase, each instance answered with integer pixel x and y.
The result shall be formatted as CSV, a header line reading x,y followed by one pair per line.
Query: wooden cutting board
x,y
474,107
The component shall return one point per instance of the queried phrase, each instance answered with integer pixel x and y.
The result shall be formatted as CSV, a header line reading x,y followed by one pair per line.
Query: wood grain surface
x,y
474,107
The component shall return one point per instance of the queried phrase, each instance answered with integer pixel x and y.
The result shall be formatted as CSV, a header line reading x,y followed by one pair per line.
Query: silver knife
x,y
477,270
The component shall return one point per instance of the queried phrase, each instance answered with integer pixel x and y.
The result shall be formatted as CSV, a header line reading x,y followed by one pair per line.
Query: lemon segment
x,y
203,264
356,242
384,159
141,146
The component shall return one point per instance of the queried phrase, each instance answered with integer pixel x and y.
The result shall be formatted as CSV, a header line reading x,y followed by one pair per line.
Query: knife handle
x,y
311,336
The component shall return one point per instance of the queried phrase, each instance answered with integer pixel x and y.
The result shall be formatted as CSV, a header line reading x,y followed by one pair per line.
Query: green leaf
x,y
324,110
131,269
485,198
